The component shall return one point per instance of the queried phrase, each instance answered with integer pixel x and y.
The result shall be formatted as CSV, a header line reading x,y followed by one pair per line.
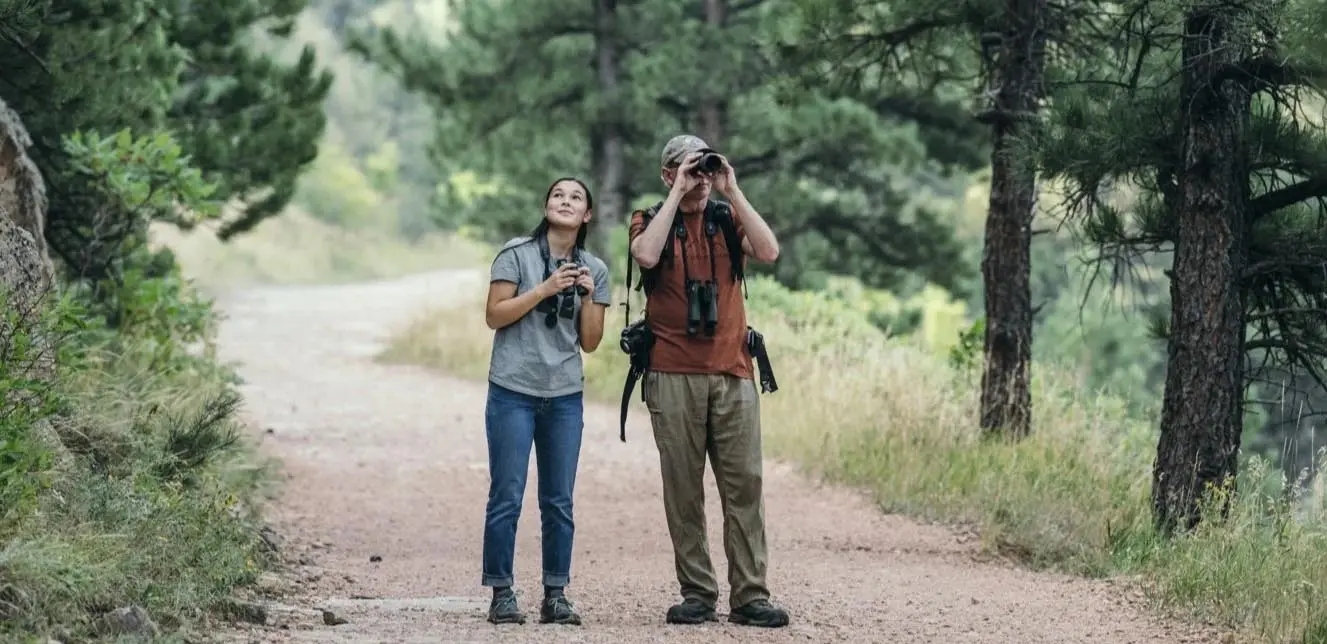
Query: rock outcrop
x,y
27,274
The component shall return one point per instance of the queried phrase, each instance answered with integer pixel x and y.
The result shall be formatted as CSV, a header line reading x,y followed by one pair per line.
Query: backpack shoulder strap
x,y
722,215
646,216
648,277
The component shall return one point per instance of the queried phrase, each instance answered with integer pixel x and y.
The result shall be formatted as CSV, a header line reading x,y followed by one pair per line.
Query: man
x,y
700,390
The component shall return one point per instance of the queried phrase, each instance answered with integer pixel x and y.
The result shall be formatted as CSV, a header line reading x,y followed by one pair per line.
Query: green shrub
x,y
123,476
28,340
146,452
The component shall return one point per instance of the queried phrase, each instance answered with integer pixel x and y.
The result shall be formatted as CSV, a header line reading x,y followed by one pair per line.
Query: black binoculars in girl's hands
x,y
562,303
575,268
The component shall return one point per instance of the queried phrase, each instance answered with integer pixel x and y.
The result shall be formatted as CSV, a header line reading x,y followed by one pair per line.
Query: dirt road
x,y
389,462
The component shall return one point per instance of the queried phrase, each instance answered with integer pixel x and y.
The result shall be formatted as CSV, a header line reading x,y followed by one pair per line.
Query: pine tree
x,y
1000,53
1200,107
836,173
250,123
150,66
1017,90
512,91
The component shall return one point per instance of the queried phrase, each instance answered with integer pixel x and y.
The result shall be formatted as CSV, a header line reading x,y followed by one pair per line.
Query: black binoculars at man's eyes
x,y
702,307
709,163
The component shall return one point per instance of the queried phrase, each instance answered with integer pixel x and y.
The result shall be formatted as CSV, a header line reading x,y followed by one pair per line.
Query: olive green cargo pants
x,y
695,415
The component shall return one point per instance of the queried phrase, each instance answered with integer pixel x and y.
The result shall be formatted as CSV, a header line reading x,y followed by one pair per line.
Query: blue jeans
x,y
515,422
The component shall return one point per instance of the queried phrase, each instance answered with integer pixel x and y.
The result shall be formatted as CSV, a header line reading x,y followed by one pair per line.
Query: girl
x,y
546,302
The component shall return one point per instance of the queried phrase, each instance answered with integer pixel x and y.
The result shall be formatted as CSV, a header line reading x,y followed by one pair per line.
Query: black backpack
x,y
637,339
718,219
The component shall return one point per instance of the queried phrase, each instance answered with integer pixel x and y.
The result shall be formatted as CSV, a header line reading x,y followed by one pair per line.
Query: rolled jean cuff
x,y
492,581
558,580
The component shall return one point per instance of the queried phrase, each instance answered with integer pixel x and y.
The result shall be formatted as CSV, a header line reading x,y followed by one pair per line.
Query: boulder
x,y
27,275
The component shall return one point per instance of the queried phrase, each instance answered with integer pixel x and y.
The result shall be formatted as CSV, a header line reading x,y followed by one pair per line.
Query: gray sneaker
x,y
504,609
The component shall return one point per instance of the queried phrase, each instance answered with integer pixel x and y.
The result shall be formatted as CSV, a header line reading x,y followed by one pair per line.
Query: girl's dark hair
x,y
584,230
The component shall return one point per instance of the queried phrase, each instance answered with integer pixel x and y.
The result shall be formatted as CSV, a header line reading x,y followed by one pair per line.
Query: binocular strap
x,y
680,233
767,382
755,343
633,375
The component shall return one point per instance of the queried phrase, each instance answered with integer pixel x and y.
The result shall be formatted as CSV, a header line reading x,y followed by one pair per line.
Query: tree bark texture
x,y
1006,402
1202,409
609,148
714,111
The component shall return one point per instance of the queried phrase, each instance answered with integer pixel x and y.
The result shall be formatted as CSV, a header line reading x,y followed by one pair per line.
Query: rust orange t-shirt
x,y
666,306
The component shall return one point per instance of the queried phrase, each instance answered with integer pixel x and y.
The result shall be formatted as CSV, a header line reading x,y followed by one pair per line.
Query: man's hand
x,y
725,179
686,178
759,241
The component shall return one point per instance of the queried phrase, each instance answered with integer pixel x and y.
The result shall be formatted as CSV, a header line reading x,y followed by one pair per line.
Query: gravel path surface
x,y
383,506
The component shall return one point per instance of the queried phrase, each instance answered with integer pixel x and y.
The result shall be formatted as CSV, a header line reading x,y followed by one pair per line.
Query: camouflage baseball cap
x,y
680,146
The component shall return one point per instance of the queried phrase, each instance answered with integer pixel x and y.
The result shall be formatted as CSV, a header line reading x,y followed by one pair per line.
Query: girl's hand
x,y
562,278
585,281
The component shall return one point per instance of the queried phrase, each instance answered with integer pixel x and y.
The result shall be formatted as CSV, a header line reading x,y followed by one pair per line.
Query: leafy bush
x,y
142,448
149,459
27,399
128,442
848,304
295,248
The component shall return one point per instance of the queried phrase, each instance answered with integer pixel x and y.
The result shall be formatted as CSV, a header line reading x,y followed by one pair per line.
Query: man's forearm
x,y
764,246
649,244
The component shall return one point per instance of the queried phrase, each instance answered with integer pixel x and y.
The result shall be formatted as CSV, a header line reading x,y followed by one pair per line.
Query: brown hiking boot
x,y
759,613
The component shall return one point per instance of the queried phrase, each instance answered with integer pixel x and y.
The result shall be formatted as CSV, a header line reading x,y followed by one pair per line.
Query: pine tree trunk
x,y
609,148
714,111
1006,402
1202,410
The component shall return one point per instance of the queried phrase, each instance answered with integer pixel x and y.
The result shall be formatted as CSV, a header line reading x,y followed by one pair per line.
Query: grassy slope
x,y
140,494
899,420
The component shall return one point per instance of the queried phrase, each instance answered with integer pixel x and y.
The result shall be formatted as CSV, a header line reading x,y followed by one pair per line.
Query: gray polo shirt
x,y
528,357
